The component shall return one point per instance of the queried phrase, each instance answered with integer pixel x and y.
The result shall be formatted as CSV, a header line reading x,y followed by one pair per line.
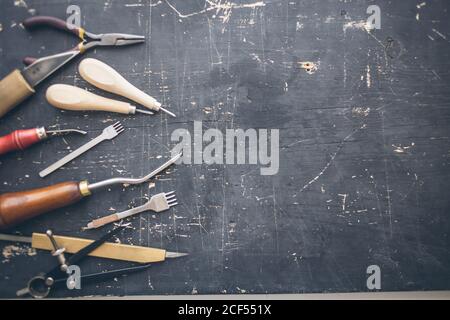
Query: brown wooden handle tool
x,y
20,206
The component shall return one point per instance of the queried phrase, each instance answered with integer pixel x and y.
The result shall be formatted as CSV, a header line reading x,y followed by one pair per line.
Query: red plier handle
x,y
56,23
88,40
53,22
21,139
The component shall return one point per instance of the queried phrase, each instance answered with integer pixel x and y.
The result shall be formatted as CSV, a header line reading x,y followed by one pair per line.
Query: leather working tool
x,y
23,139
158,203
19,85
41,285
108,133
71,98
102,76
17,207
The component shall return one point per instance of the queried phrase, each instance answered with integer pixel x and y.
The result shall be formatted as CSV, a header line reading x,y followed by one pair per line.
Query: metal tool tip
x,y
178,156
144,112
168,112
132,37
171,255
66,131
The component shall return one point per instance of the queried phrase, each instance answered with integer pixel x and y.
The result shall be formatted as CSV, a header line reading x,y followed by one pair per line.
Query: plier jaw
x,y
110,39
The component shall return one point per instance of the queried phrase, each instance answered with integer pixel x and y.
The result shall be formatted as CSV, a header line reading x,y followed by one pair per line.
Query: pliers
x,y
88,40
19,85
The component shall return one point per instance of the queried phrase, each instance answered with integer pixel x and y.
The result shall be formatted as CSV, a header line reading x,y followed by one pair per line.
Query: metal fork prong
x,y
173,203
120,131
169,193
118,126
172,200
170,197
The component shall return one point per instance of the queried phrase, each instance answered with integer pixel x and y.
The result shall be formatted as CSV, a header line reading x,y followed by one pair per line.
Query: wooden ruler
x,y
108,250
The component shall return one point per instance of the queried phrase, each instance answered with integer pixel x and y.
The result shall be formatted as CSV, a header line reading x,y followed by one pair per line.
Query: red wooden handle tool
x,y
21,140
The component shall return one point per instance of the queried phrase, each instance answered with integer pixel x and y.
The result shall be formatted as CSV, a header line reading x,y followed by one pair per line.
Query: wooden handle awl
x,y
106,78
71,98
13,90
107,250
17,207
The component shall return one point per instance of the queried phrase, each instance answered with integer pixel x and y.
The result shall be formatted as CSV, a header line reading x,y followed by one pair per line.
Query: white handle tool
x,y
75,99
106,78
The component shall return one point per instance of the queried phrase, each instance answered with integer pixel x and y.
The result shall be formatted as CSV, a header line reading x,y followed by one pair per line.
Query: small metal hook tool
x,y
23,139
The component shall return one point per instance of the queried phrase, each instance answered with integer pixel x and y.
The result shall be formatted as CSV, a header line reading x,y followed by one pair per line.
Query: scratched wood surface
x,y
364,157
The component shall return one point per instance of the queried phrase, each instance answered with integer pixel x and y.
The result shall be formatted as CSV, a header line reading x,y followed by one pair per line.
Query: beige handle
x,y
107,250
103,221
75,99
106,78
13,90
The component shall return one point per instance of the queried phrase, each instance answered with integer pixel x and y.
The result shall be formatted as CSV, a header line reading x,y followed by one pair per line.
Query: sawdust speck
x,y
360,111
241,290
12,251
420,5
308,66
20,3
402,149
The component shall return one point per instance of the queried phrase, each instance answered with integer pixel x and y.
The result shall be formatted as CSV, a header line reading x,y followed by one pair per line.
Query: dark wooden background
x,y
364,160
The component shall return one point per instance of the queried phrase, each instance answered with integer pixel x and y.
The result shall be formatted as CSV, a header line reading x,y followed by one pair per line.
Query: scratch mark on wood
x,y
218,6
333,156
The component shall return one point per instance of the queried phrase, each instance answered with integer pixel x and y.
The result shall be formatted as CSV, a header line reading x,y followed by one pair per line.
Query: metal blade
x,y
13,238
44,67
107,275
168,112
55,133
172,255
